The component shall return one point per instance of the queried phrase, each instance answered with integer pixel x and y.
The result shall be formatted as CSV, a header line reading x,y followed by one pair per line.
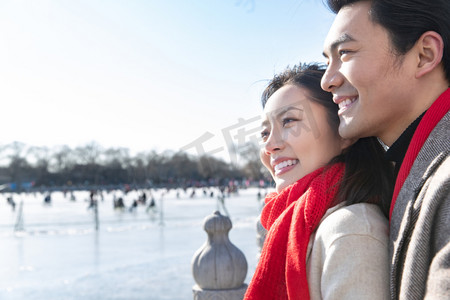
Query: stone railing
x,y
219,267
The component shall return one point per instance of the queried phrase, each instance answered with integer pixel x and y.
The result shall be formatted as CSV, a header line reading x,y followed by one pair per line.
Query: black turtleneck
x,y
397,151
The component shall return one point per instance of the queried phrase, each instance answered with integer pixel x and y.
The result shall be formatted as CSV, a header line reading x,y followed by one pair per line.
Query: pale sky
x,y
146,75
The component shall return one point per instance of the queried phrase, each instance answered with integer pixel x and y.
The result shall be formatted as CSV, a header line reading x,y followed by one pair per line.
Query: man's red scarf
x,y
433,115
291,216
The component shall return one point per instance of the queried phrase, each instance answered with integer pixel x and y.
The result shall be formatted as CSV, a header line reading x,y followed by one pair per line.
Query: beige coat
x,y
348,256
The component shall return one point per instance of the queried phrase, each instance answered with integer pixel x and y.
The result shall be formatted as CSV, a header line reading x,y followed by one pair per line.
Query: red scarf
x,y
291,216
433,115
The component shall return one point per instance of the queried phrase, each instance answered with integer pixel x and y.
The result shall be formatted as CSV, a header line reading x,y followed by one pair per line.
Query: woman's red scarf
x,y
291,216
433,115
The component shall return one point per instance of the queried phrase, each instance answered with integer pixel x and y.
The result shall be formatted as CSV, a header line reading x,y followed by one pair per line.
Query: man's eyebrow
x,y
340,40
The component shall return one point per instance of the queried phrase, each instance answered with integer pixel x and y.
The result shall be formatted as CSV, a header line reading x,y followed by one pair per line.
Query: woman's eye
x,y
264,134
286,121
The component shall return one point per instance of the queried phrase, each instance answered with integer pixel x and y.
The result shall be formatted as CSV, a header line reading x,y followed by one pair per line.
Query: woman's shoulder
x,y
362,219
347,242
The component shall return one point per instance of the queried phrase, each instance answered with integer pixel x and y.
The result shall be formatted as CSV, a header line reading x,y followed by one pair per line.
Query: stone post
x,y
261,233
219,268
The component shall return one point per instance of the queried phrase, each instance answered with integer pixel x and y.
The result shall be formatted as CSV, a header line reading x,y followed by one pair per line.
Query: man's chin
x,y
346,130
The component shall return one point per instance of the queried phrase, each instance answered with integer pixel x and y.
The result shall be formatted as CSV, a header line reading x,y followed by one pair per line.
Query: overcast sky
x,y
147,75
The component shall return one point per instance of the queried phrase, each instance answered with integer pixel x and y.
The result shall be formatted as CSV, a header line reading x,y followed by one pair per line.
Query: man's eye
x,y
343,52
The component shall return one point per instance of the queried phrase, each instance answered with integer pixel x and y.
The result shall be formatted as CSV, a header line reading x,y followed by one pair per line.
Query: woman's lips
x,y
285,166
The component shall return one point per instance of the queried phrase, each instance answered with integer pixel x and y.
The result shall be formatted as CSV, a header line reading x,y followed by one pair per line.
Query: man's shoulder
x,y
437,183
441,131
428,164
435,148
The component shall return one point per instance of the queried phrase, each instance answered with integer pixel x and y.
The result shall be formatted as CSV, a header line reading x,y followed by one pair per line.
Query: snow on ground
x,y
133,255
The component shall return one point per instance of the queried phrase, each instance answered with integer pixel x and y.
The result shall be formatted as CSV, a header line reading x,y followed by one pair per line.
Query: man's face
x,y
370,84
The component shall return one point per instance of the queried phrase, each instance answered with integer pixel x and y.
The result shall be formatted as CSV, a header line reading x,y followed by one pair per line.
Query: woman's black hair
x,y
368,176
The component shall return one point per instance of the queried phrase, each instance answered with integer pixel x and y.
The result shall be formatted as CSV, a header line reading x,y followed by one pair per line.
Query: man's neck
x,y
423,99
397,151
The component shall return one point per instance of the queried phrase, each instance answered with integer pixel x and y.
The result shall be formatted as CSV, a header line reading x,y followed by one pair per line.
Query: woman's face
x,y
297,136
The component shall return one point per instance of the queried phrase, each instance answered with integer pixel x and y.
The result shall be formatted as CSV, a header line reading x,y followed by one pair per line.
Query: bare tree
x,y
61,159
253,167
18,166
89,154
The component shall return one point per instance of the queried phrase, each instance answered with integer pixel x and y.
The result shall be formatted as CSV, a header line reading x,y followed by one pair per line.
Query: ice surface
x,y
133,255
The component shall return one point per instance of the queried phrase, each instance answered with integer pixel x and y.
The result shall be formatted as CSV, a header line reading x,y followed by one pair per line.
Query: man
x,y
389,72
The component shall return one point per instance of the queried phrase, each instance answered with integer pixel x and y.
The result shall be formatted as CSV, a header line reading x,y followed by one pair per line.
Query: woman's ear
x,y
430,49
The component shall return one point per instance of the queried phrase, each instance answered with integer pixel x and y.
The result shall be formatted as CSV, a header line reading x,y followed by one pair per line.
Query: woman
x,y
327,228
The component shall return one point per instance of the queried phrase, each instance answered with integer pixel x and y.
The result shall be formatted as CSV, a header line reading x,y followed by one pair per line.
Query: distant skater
x,y
48,199
151,205
92,200
11,202
133,206
143,198
119,204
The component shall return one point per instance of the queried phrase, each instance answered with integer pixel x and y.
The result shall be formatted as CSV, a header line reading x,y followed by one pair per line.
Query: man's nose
x,y
331,79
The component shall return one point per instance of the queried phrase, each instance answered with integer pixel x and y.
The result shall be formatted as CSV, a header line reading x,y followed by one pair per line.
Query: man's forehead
x,y
347,23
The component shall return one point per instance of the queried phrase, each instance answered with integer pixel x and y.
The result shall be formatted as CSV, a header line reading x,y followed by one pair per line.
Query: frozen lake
x,y
133,255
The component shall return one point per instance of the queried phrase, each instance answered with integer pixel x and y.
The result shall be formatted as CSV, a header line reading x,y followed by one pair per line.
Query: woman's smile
x,y
284,166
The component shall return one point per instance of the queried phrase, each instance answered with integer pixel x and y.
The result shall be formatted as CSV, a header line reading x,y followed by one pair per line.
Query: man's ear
x,y
430,49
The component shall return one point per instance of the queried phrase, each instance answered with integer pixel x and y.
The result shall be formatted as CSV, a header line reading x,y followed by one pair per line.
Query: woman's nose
x,y
274,142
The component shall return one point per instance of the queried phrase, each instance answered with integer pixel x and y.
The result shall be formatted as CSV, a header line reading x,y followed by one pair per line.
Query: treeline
x,y
25,166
